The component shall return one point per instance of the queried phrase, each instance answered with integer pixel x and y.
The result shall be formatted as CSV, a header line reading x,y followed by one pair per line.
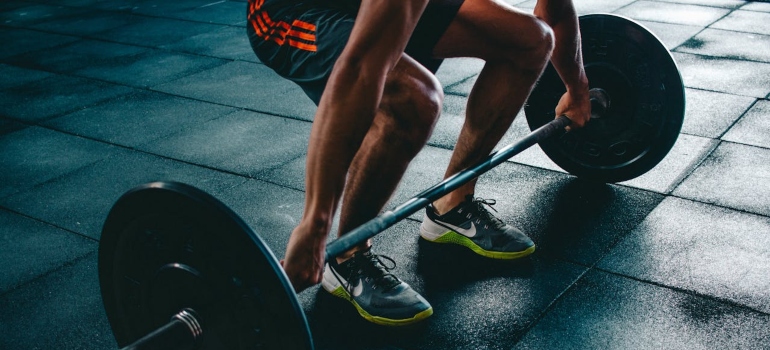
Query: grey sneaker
x,y
471,225
379,296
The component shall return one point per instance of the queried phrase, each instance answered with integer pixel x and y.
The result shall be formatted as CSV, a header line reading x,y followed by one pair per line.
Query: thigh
x,y
487,28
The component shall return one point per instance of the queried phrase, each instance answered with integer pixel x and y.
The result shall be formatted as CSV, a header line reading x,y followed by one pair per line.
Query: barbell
x,y
180,270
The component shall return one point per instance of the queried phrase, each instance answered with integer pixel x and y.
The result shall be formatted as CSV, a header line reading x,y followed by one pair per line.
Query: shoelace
x,y
484,214
373,268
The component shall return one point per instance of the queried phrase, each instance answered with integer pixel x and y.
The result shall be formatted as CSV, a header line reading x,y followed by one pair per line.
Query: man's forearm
x,y
567,55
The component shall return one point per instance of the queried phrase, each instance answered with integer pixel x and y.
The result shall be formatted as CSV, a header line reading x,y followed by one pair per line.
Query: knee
x,y
536,49
545,39
412,103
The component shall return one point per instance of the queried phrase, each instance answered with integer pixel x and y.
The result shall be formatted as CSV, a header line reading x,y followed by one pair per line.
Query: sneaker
x,y
471,225
378,295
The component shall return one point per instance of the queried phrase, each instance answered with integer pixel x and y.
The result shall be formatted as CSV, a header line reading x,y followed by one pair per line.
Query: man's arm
x,y
381,31
567,57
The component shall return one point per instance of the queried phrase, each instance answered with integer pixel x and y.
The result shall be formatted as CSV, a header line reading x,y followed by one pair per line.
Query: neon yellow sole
x,y
341,293
456,238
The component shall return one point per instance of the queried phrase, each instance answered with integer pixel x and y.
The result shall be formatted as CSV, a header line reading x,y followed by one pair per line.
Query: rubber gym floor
x,y
100,96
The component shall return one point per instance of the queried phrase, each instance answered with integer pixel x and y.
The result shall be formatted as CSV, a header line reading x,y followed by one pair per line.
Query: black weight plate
x,y
646,107
168,246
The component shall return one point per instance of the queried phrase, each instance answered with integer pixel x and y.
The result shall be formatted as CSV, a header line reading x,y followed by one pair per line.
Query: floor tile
x,y
151,68
455,70
35,13
582,7
55,96
710,114
34,155
756,6
80,54
728,44
745,21
731,4
606,311
693,15
166,8
67,304
702,248
125,5
8,126
21,241
152,116
221,12
427,169
754,127
687,153
527,6
724,75
155,32
11,76
734,176
81,200
29,40
672,35
600,6
290,174
243,142
270,210
534,156
87,23
13,4
450,122
245,85
463,87
227,42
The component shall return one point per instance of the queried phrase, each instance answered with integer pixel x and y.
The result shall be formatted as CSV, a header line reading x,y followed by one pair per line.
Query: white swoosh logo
x,y
358,289
470,232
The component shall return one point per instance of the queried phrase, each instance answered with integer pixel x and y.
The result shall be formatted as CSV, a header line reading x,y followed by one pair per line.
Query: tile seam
x,y
65,265
723,301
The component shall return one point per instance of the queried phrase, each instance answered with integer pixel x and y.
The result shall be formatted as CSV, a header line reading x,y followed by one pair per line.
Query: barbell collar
x,y
182,332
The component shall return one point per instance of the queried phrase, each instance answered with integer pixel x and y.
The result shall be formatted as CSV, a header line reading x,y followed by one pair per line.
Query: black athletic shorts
x,y
302,39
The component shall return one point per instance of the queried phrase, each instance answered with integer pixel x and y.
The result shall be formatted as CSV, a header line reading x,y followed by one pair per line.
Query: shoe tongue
x,y
365,253
379,271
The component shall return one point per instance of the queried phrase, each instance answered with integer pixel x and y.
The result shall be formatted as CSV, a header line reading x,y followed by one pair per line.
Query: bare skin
x,y
344,116
361,142
494,101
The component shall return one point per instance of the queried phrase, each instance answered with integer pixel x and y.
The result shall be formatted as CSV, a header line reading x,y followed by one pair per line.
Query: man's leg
x,y
516,46
410,106
408,110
